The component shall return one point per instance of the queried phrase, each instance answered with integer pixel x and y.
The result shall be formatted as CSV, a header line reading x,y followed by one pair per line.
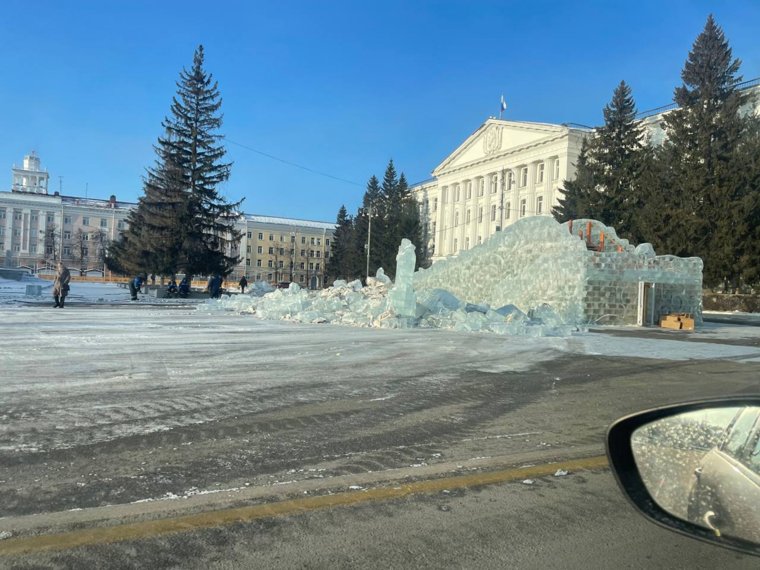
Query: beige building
x,y
504,171
281,250
37,229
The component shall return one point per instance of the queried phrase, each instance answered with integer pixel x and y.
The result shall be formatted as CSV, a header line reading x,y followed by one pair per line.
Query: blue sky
x,y
336,86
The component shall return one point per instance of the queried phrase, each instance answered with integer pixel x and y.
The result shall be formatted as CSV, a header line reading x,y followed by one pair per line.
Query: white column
x,y
515,196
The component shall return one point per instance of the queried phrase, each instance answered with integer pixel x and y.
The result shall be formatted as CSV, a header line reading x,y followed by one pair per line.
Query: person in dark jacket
x,y
171,288
61,285
214,286
243,283
134,286
184,288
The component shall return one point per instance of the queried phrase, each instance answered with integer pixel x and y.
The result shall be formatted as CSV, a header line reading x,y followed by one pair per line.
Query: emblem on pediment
x,y
492,140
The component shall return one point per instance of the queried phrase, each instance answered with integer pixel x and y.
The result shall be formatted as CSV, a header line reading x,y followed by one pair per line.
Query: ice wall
x,y
533,262
581,269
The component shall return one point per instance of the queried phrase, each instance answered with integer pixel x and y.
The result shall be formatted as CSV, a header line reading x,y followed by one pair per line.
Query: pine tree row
x,y
370,239
696,194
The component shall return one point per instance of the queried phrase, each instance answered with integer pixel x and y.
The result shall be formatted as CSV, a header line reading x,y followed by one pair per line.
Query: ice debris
x,y
536,278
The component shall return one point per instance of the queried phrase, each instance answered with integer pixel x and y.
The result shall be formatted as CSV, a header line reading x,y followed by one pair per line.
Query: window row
x,y
456,192
312,240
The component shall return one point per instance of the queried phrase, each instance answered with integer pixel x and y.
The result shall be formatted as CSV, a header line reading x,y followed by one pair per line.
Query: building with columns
x,y
508,170
504,171
37,229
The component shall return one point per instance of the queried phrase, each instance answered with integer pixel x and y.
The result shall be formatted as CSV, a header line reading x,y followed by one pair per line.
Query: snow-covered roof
x,y
289,222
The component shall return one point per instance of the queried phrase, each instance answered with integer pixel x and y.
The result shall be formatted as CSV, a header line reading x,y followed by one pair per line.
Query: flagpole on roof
x,y
502,105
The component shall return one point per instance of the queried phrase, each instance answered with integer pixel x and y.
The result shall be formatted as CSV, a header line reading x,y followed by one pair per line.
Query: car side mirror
x,y
694,469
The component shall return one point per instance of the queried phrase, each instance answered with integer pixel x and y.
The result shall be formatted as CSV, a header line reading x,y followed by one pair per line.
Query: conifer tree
x,y
181,222
341,264
578,195
606,186
704,135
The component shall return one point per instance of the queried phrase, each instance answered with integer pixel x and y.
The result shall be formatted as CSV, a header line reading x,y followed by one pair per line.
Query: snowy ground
x,y
110,401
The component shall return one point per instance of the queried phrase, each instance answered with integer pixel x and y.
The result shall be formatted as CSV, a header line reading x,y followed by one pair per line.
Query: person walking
x,y
61,285
214,286
134,286
243,283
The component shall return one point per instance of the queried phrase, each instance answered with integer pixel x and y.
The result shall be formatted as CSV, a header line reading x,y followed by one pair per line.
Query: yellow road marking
x,y
151,528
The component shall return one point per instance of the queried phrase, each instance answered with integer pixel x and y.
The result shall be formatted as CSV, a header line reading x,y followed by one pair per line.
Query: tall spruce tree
x,y
606,187
342,264
704,134
181,222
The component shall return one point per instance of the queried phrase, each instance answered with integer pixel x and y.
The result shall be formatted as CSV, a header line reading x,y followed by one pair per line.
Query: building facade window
x,y
269,263
456,219
493,213
539,205
66,235
468,193
467,243
435,204
86,221
50,218
540,173
481,185
104,222
467,221
456,245
456,191
271,237
259,249
248,249
523,176
258,263
480,240
67,219
248,262
510,179
555,174
494,183
120,225
523,203
261,236
66,250
480,214
507,210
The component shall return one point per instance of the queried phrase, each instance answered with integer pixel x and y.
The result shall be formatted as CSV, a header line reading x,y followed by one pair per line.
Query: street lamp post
x,y
369,238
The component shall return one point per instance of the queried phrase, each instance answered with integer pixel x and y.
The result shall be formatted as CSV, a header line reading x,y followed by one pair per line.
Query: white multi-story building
x,y
37,229
504,171
507,170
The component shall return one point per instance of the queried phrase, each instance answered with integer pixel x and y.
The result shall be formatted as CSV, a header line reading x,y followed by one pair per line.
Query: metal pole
x,y
369,238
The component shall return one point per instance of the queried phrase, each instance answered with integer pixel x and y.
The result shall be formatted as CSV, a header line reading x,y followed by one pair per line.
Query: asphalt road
x,y
106,422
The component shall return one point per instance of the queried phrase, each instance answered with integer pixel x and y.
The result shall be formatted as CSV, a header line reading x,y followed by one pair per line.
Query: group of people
x,y
214,286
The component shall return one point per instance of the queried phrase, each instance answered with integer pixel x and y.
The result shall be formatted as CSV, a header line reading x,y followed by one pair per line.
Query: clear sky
x,y
336,86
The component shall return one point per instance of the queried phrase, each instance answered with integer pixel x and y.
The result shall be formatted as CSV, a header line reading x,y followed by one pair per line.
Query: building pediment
x,y
496,138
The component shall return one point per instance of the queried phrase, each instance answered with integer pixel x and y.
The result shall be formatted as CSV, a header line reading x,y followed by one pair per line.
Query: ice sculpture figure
x,y
401,297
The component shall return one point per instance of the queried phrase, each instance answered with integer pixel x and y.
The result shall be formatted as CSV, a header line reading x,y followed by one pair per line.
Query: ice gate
x,y
581,268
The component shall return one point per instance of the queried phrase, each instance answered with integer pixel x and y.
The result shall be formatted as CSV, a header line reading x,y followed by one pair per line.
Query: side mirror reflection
x,y
694,468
